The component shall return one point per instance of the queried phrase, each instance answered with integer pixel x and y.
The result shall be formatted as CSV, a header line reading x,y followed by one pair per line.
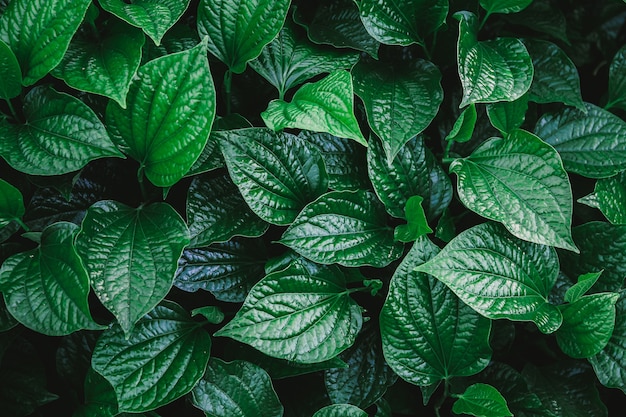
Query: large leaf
x,y
11,204
131,255
504,6
61,134
609,195
236,389
39,31
591,143
397,22
493,70
303,313
429,334
340,410
500,276
11,82
154,17
344,227
46,288
170,109
400,100
239,29
519,181
617,80
323,106
105,65
161,360
277,173
481,400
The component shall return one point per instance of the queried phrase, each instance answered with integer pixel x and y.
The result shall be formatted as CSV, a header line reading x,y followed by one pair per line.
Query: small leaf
x,y
239,29
504,6
584,284
493,70
463,128
11,82
161,360
323,106
500,276
506,116
340,410
237,388
303,314
100,399
617,80
481,400
417,225
610,197
213,314
11,203
349,228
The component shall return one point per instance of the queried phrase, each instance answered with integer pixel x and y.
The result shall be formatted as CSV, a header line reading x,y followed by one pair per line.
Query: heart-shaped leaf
x,y
617,80
500,276
131,255
303,313
11,204
481,400
349,228
340,410
11,82
170,109
61,135
609,195
161,360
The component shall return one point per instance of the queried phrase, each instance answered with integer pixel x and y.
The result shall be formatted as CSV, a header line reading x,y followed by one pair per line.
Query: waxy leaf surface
x,y
617,80
504,6
11,203
481,400
609,196
506,116
11,82
340,410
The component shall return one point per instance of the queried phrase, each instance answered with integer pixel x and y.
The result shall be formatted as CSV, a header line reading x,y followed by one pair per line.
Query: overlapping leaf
x,y
481,400
504,6
609,196
11,82
11,203
340,410
617,80
506,116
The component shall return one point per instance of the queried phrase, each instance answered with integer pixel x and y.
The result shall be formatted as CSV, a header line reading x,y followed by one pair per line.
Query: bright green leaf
x,y
11,203
507,116
340,410
463,128
617,80
11,82
610,197
504,6
417,225
584,284
481,400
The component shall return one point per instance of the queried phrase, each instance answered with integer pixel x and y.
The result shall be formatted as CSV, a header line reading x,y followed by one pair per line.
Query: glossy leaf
x,y
344,227
39,32
11,82
11,203
504,6
154,17
236,389
617,80
161,360
428,334
584,284
610,197
303,313
61,134
417,225
340,410
238,30
493,70
170,109
277,173
591,144
212,314
463,127
400,100
481,400
131,255
323,106
506,116
500,276
519,181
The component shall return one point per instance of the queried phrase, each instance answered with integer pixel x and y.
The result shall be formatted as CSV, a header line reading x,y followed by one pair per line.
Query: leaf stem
x,y
12,109
426,51
140,179
22,224
446,393
228,80
482,23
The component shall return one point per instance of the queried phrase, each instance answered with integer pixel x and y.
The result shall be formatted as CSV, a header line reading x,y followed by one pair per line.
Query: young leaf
x,y
323,106
161,360
239,29
46,288
417,225
504,6
617,80
428,334
519,181
349,228
591,143
237,388
11,203
277,173
506,116
131,255
170,109
212,314
61,135
610,197
584,284
340,410
39,31
11,82
400,100
500,276
493,70
303,313
464,125
481,400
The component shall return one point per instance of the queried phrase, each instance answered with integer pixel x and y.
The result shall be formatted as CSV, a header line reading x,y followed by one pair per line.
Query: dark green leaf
x,y
584,284
610,197
504,6
100,398
7,321
73,357
617,80
542,17
340,410
213,314
11,203
481,400
11,82
463,128
417,225
507,116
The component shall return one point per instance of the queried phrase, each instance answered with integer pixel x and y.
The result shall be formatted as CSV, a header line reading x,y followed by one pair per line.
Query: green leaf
x,y
11,83
587,324
170,109
617,80
610,197
584,284
542,17
323,106
289,61
239,29
131,255
504,6
277,173
100,399
500,276
178,39
506,116
39,32
400,100
591,143
11,204
428,334
212,314
395,22
481,400
463,128
556,77
7,321
236,389
349,228
340,410
105,65
417,225
303,313
216,211
519,181
161,360
493,70
154,17
61,134
46,288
